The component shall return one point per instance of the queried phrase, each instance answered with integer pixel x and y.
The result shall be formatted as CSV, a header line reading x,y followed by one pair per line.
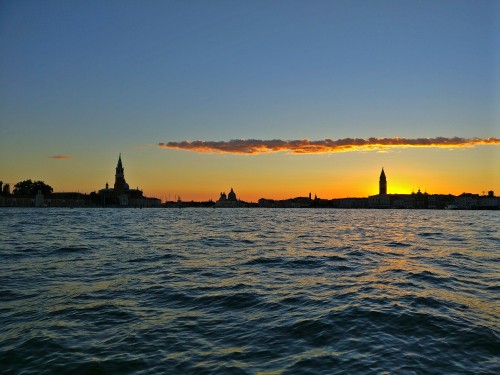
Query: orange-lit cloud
x,y
304,146
61,157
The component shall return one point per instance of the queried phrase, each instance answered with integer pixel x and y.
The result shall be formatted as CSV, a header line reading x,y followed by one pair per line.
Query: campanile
x,y
382,183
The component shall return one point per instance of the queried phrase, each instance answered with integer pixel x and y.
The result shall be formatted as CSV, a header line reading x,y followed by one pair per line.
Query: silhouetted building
x,y
122,195
382,183
489,201
380,201
349,203
70,199
229,200
298,202
467,201
120,185
231,196
440,201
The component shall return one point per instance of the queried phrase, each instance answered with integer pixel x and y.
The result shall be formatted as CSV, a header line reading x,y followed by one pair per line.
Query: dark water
x,y
249,291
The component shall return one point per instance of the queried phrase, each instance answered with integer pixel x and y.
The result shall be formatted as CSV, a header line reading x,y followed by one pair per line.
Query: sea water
x,y
249,291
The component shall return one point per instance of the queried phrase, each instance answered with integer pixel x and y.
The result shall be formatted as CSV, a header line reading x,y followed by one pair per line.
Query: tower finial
x,y
119,165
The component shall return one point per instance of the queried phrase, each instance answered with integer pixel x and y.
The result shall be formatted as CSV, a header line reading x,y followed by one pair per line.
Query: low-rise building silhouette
x,y
120,196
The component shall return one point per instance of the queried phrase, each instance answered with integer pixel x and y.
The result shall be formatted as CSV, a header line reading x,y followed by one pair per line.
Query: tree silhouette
x,y
29,187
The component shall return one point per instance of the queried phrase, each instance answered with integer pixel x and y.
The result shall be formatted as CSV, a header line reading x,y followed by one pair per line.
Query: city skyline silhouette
x,y
119,194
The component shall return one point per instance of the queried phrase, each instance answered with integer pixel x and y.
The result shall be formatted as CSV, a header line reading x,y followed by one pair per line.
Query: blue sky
x,y
94,78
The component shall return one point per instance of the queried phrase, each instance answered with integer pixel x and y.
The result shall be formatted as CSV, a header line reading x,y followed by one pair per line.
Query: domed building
x,y
229,200
231,196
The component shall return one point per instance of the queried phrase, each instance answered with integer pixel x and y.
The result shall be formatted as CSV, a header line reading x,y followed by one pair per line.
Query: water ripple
x,y
249,291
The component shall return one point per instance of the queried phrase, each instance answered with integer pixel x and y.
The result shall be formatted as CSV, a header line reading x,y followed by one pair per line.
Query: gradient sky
x,y
86,80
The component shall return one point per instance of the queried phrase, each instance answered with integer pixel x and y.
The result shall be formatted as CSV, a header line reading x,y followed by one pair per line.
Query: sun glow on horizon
x,y
169,174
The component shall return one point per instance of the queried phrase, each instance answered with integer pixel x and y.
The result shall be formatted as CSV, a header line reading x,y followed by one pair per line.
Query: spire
x,y
382,174
120,184
119,165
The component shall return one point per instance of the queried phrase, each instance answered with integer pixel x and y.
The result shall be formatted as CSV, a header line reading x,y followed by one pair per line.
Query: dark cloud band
x,y
61,157
304,146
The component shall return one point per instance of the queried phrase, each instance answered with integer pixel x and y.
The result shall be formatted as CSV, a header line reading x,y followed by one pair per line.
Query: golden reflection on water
x,y
206,288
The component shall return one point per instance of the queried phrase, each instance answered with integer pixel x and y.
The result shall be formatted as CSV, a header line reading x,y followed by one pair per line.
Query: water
x,y
249,291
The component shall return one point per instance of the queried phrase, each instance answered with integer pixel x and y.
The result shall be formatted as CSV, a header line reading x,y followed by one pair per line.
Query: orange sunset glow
x,y
254,187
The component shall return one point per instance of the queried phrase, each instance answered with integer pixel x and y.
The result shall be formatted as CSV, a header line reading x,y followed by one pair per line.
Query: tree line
x,y
27,187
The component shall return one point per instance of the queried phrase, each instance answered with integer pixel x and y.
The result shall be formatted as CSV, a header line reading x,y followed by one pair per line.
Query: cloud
x,y
61,157
304,146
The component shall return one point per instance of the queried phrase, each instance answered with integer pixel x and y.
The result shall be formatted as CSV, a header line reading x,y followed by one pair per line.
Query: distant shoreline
x,y
255,206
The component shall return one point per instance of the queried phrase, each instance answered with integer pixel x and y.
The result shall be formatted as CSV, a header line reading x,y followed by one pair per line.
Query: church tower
x,y
120,184
382,183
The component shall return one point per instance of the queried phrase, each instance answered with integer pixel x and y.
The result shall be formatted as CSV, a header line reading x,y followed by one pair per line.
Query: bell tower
x,y
119,177
382,183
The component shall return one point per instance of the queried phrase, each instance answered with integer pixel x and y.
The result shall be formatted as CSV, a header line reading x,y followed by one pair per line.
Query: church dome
x,y
231,196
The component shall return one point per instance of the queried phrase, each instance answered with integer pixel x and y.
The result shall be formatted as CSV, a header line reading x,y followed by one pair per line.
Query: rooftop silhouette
x,y
122,196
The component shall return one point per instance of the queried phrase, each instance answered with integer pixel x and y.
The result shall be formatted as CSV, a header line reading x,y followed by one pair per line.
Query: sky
x,y
83,81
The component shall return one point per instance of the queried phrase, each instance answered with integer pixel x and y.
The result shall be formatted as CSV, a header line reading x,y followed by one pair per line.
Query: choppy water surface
x,y
249,291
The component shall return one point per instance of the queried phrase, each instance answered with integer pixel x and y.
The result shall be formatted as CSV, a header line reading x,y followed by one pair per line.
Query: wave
x,y
287,291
